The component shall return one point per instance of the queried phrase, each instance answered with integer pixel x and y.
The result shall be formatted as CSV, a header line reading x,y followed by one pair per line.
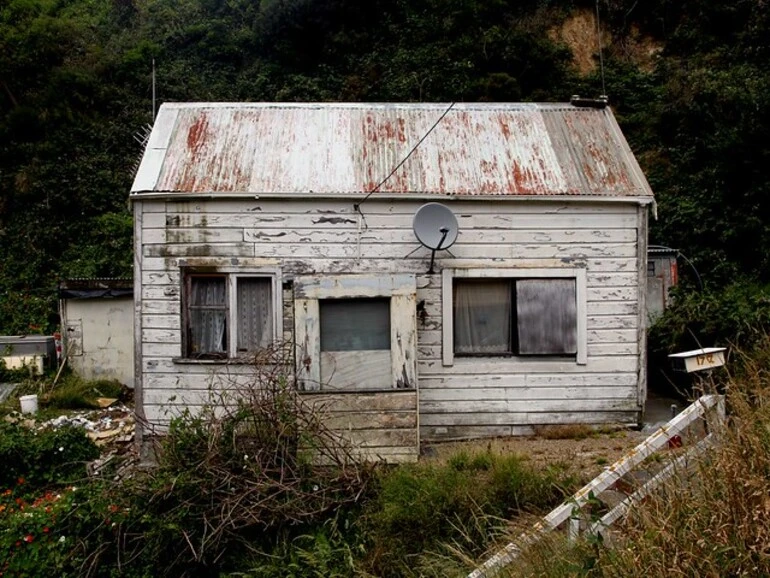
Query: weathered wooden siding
x,y
470,397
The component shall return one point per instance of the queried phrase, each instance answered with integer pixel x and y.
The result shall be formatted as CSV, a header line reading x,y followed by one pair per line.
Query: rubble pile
x,y
111,428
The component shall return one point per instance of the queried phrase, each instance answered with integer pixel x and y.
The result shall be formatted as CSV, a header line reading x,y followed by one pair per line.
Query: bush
x,y
254,469
72,392
713,520
41,458
421,509
737,316
738,313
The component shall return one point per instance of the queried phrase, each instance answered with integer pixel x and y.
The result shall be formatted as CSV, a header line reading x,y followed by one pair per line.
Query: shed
x,y
662,275
97,317
273,221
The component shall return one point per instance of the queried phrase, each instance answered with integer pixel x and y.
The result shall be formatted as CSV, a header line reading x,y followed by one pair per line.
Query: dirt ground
x,y
580,450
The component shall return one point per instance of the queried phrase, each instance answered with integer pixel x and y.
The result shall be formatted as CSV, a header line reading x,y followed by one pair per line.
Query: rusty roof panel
x,y
477,149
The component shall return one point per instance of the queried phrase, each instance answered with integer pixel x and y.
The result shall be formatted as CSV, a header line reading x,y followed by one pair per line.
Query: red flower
x,y
20,481
29,538
45,529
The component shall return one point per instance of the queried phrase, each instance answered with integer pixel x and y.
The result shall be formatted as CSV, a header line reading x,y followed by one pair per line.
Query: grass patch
x,y
564,432
73,392
425,513
712,520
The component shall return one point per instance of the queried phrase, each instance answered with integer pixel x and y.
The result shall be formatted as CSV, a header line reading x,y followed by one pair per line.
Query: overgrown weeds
x,y
254,467
712,520
255,485
426,512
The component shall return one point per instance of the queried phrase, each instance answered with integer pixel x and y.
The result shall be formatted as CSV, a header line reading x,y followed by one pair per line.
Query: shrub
x,y
66,532
41,458
736,315
713,520
424,508
254,468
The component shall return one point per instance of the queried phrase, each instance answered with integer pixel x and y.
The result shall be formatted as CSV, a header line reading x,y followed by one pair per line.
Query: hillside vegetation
x,y
688,81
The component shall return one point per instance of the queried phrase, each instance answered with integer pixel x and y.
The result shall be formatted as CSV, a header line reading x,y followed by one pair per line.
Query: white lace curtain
x,y
208,315
255,320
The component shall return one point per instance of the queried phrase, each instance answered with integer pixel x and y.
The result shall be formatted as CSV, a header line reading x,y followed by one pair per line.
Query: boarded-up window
x,y
355,324
494,317
227,315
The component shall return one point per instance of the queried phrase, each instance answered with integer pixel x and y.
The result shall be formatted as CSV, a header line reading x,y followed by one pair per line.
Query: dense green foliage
x,y
35,459
688,81
235,493
709,519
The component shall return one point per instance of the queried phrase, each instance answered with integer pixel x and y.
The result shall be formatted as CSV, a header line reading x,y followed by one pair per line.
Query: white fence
x,y
570,510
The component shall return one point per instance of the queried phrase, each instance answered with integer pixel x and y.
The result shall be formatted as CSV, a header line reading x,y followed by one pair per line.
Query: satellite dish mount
x,y
435,226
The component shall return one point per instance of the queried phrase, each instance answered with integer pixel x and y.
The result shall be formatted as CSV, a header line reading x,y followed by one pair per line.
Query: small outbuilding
x,y
265,222
97,319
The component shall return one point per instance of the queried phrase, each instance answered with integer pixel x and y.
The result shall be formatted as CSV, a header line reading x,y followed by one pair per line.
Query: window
x,y
651,268
515,317
355,324
228,315
510,313
356,332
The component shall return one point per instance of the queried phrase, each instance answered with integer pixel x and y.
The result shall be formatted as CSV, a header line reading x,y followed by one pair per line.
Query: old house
x,y
268,221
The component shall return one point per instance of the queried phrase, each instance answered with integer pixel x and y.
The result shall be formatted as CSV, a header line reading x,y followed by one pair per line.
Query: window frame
x,y
448,276
399,288
231,276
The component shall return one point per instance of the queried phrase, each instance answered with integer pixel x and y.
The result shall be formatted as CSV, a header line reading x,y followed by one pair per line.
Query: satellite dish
x,y
435,226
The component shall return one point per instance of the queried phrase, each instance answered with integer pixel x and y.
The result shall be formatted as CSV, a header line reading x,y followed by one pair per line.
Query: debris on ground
x,y
111,428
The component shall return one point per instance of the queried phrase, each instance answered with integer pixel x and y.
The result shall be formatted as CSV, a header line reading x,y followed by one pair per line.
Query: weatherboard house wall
x,y
244,208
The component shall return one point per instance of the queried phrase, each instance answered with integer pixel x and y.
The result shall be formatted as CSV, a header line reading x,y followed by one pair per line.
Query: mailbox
x,y
698,359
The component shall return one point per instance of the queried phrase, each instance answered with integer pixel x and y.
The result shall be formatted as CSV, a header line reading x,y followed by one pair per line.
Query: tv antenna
x,y
435,227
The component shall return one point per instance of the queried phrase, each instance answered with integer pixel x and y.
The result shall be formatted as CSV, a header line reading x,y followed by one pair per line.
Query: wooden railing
x,y
571,510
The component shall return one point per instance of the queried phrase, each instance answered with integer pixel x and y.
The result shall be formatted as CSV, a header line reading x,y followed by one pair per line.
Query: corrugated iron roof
x,y
333,148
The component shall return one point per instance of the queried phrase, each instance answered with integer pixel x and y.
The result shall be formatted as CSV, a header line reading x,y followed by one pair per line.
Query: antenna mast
x,y
153,90
601,56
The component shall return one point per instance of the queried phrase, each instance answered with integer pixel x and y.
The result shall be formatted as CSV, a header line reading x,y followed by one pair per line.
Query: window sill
x,y
516,358
514,363
225,361
311,392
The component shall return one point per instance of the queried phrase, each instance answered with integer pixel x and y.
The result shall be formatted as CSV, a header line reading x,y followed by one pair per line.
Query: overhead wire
x,y
357,206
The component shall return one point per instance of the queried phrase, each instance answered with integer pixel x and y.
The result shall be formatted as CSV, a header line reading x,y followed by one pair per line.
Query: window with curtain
x,y
254,311
207,316
505,317
227,315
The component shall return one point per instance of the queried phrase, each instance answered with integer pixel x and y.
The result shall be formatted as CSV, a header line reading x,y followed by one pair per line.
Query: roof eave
x,y
640,199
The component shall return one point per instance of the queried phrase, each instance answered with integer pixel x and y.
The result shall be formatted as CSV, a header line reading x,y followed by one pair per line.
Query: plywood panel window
x,y
227,315
512,313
